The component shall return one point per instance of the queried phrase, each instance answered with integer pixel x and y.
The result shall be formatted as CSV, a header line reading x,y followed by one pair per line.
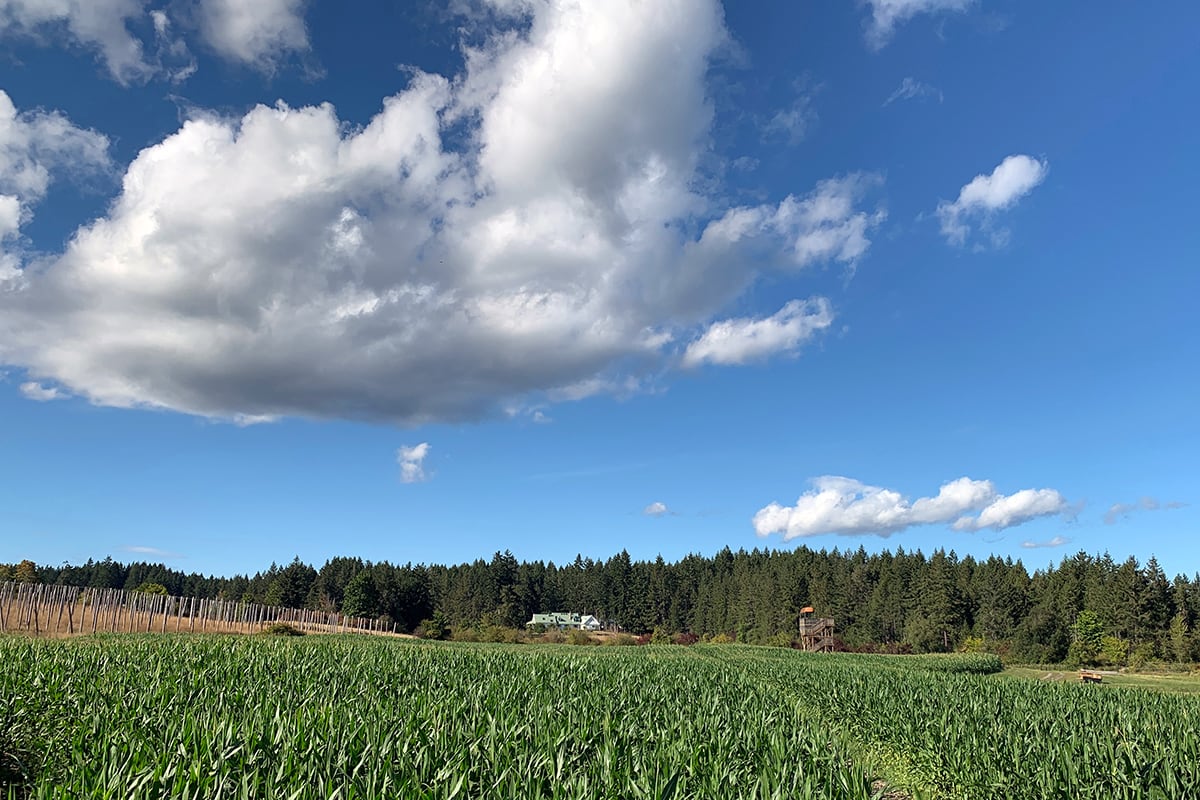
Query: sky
x,y
421,282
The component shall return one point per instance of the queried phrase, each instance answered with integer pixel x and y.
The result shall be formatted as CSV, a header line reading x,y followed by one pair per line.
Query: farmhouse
x,y
563,619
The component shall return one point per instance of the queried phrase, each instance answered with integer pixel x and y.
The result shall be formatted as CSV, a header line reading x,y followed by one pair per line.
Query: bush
x,y
685,638
1141,656
780,640
465,635
434,628
554,636
721,638
498,633
620,640
282,629
576,636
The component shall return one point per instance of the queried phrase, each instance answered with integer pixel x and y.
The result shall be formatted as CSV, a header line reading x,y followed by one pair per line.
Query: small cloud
x,y
39,392
144,550
411,460
913,89
987,195
887,15
792,123
738,341
745,164
655,509
1119,511
1057,541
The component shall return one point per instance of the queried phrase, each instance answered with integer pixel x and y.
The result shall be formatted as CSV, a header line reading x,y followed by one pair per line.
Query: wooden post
x,y
4,606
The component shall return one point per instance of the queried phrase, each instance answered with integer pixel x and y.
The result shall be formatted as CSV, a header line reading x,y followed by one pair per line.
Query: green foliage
x,y
361,597
25,572
1087,635
372,718
888,602
1181,645
721,638
958,663
780,639
436,627
1141,655
282,629
1113,651
152,588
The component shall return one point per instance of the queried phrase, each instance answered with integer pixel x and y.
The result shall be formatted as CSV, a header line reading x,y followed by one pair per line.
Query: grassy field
x,y
1174,682
354,717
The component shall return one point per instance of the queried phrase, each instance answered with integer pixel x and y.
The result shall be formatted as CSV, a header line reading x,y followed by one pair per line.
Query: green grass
x,y
353,717
1172,682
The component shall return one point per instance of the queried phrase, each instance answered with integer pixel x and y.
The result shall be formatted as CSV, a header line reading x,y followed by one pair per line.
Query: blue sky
x,y
412,284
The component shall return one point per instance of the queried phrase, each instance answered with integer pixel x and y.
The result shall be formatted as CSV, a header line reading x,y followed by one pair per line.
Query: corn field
x,y
354,717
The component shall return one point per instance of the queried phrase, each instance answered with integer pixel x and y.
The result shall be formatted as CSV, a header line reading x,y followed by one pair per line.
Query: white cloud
x,y
145,550
1120,511
655,509
793,122
849,507
913,89
36,391
10,215
985,195
34,145
1004,512
737,341
412,462
174,58
254,32
558,242
887,15
97,24
1057,541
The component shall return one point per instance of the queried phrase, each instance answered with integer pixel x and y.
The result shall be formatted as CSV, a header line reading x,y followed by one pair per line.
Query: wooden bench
x,y
1090,677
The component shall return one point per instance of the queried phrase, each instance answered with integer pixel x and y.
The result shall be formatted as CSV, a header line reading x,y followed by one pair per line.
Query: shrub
x,y
576,636
721,638
780,640
620,640
282,629
434,628
498,633
685,638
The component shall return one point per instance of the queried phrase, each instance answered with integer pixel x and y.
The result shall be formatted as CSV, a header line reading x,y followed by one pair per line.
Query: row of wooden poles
x,y
51,610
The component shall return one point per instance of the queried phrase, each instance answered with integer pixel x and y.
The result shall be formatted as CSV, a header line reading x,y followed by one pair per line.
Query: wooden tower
x,y
816,633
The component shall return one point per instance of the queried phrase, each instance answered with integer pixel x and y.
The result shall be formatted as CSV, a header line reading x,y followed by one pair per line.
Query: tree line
x,y
1087,608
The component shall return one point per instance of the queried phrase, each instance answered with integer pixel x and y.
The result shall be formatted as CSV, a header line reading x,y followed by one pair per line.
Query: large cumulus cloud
x,y
529,229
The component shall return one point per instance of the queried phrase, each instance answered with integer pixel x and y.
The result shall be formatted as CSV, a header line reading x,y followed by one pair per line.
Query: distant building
x,y
563,619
